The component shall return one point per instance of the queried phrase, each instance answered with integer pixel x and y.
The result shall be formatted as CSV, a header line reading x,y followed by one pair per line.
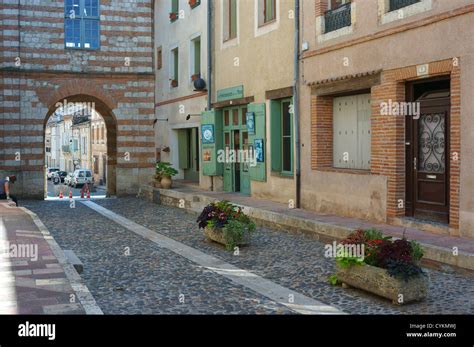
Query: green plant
x,y
417,250
373,234
332,279
403,270
164,169
345,262
235,233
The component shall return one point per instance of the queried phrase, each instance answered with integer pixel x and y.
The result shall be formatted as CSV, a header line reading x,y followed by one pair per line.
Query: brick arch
x,y
79,87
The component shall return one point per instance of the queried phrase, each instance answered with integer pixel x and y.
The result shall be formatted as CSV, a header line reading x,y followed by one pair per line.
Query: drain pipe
x,y
296,108
209,65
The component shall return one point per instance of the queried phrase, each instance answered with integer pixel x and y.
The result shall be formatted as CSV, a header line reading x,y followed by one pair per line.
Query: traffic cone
x,y
61,194
88,194
82,193
70,194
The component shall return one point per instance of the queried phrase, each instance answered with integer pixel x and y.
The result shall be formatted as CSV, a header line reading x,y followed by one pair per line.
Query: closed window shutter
x,y
212,167
183,146
174,6
275,135
233,19
258,172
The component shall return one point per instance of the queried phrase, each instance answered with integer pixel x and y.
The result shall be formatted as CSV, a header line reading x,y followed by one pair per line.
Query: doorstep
x,y
439,249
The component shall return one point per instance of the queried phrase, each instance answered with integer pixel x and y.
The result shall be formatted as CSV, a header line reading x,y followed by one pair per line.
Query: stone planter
x,y
166,182
378,281
217,235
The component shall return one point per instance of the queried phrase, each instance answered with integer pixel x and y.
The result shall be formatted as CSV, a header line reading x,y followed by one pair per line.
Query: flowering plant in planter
x,y
386,267
173,16
226,223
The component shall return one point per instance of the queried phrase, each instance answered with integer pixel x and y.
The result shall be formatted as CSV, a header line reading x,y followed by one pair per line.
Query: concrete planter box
x,y
378,281
217,235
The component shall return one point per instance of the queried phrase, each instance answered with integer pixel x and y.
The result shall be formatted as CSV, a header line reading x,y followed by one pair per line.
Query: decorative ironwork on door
x,y
432,143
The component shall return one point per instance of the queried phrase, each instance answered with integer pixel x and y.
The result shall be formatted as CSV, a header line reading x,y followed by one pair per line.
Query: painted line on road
x,y
300,303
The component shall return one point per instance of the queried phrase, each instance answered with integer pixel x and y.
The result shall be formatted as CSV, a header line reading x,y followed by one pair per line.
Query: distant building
x,y
99,149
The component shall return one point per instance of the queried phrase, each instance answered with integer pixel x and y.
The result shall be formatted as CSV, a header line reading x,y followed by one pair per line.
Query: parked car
x,y
81,177
62,175
51,171
68,179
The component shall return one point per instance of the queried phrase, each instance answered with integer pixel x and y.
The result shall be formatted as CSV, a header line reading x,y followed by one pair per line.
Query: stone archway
x,y
84,93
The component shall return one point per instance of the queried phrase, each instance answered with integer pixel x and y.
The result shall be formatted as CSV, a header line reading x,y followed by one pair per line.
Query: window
x,y
267,11
196,56
398,4
81,24
281,137
351,132
174,13
159,58
174,67
339,15
230,19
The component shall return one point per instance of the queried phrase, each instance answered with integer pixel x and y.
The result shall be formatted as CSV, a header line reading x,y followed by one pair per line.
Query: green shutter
x,y
197,56
176,64
275,135
174,6
183,146
258,172
269,10
233,19
212,167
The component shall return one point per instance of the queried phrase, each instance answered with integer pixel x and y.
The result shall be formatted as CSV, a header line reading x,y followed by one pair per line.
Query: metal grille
x,y
338,18
432,143
398,4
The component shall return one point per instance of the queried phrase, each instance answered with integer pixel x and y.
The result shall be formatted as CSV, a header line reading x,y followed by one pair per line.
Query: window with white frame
x,y
351,132
229,20
195,57
266,11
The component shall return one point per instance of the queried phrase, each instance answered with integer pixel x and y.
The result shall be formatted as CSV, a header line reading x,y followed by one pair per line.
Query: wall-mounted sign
x,y
230,93
259,150
206,155
207,133
250,117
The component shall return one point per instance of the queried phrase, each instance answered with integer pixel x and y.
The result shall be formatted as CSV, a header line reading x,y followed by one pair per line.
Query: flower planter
x,y
217,235
166,183
173,16
174,83
378,281
194,3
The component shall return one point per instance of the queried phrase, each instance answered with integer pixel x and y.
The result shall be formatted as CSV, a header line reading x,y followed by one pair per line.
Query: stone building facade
x,y
363,155
104,56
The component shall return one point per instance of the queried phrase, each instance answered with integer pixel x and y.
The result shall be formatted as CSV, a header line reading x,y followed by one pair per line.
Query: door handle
x,y
415,164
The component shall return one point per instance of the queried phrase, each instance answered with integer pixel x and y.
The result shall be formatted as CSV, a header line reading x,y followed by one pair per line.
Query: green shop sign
x,y
230,93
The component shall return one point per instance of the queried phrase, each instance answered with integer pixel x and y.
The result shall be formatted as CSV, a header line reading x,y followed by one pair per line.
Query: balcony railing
x,y
338,18
398,4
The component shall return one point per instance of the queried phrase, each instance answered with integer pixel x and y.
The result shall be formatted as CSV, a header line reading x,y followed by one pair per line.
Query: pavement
x,y
144,258
35,277
440,249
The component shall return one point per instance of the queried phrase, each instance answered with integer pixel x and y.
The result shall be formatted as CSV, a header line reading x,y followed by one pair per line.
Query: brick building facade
x,y
394,167
39,70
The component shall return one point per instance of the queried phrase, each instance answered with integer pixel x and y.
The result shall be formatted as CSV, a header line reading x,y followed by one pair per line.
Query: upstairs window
x,y
230,19
267,11
174,67
398,4
174,13
82,24
338,16
196,58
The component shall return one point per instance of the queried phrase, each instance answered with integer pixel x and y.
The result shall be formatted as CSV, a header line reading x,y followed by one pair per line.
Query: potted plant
x,y
195,77
174,83
226,224
386,267
164,171
157,177
173,16
194,3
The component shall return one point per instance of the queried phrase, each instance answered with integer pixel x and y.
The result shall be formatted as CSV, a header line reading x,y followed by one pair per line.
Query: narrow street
x,y
54,190
143,258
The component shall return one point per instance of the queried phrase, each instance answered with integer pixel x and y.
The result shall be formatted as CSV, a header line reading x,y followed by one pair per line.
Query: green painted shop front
x,y
224,130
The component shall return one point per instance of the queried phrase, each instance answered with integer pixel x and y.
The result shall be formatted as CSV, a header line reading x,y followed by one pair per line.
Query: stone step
x,y
74,260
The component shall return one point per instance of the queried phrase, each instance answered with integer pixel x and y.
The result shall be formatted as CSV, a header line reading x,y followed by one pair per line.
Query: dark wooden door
x,y
428,161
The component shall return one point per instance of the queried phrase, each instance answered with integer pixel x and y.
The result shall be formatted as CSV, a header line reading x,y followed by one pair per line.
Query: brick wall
x,y
36,72
321,6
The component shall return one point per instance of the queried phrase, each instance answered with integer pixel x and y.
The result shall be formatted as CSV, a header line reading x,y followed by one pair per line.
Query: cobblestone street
x,y
128,274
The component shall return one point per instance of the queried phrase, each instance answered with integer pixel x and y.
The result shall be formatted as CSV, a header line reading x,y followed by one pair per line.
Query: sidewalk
x,y
35,276
438,247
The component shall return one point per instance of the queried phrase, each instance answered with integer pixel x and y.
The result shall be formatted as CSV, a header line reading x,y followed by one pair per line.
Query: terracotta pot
x,y
166,183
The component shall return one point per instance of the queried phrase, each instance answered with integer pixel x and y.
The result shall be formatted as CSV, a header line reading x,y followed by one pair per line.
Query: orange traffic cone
x,y
70,194
82,194
61,194
88,194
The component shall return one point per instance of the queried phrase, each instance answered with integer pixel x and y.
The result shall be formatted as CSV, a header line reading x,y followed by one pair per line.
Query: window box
x,y
194,3
173,16
338,18
398,4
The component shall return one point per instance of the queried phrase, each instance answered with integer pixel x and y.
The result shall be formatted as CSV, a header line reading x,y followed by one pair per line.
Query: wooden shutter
x,y
258,172
183,149
275,135
212,167
233,19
